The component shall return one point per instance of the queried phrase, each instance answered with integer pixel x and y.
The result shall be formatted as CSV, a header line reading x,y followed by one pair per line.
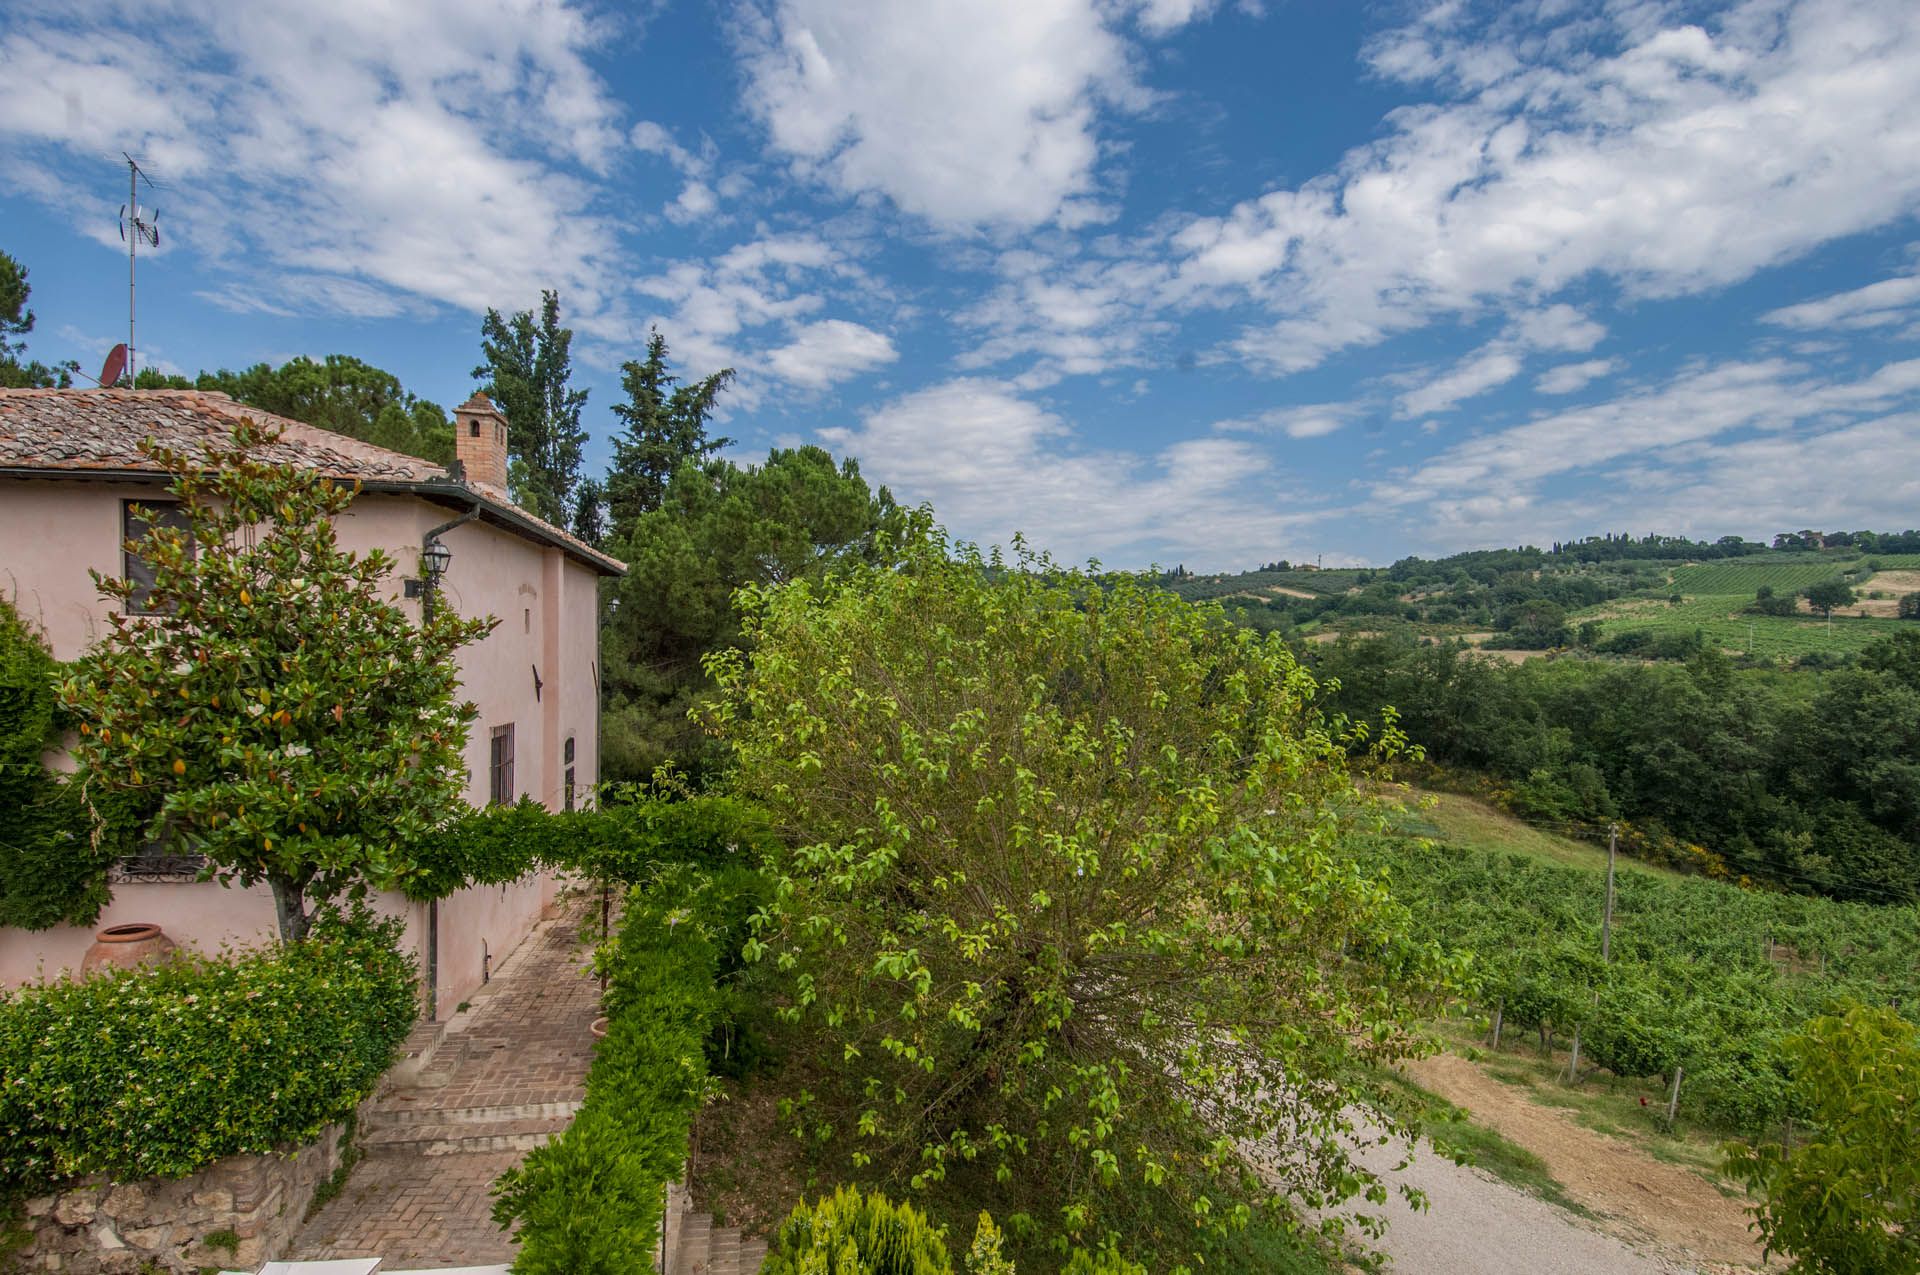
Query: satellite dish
x,y
115,366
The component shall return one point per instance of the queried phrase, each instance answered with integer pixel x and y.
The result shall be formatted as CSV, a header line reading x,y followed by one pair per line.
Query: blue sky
x,y
1151,280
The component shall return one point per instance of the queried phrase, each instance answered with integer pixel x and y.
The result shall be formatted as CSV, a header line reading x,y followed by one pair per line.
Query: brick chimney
x,y
480,441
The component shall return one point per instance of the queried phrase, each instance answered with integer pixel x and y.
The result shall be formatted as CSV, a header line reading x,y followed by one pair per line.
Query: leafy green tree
x,y
1829,595
528,368
268,706
1845,1198
340,393
796,516
52,871
15,319
15,322
1067,891
664,426
590,513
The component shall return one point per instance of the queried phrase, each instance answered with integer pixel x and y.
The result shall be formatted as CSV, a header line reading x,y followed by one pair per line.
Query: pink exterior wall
x,y
52,531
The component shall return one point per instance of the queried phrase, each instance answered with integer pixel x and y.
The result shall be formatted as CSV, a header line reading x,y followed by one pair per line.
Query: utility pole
x,y
133,229
1606,921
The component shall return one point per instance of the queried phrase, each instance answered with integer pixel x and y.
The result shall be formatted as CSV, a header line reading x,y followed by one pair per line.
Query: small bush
x,y
160,1071
848,1233
851,1233
589,1202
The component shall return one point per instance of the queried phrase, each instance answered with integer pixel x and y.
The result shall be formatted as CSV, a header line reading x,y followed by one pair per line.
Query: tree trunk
x,y
290,907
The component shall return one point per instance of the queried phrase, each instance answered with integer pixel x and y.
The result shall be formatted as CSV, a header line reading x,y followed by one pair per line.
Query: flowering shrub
x,y
160,1071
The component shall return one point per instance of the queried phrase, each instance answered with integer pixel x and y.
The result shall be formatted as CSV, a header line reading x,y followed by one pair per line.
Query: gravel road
x,y
1476,1224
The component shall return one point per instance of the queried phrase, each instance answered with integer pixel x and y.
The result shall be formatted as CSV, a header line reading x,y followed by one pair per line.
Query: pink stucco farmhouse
x,y
70,467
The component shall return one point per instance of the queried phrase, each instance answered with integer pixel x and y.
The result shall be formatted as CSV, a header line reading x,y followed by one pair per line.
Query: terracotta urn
x,y
122,947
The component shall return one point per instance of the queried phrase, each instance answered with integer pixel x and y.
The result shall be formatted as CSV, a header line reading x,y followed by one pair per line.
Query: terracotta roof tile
x,y
80,431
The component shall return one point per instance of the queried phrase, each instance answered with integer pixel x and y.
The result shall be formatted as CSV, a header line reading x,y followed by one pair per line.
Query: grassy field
x,y
1897,561
1723,622
1467,821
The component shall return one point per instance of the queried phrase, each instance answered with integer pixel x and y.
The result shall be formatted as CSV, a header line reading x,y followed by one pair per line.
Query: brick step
x,y
464,1130
706,1249
392,1116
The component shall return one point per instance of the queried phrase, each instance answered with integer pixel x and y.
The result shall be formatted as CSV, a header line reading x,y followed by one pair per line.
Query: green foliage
x,y
159,1071
1845,1197
1910,606
1809,782
527,373
589,1201
626,840
1069,895
1826,596
52,870
798,516
271,708
339,393
851,1233
663,427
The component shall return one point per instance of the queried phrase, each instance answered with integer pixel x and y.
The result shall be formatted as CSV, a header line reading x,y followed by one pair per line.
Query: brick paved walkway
x,y
506,1076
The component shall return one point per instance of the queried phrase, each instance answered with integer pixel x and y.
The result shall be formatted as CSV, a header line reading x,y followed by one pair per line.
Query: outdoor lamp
x,y
434,559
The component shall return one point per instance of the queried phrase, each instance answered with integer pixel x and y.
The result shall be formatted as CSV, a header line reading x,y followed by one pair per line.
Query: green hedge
x,y
160,1071
589,1202
624,841
51,871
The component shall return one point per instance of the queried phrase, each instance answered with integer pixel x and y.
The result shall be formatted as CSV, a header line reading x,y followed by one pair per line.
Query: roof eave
x,y
445,490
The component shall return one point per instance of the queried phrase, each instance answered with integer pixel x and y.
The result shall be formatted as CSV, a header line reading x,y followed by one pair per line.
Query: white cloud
x,y
1301,420
824,354
1487,368
981,111
1558,328
993,462
443,150
1685,160
1569,377
1676,428
1160,17
1882,304
1074,316
755,307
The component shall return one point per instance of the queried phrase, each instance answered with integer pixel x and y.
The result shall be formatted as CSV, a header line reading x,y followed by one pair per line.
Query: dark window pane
x,y
500,786
137,518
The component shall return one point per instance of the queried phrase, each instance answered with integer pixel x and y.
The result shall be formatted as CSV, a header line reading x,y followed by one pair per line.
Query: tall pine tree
x,y
526,373
664,426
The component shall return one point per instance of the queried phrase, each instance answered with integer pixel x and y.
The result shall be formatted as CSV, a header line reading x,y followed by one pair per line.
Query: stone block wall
x,y
256,1202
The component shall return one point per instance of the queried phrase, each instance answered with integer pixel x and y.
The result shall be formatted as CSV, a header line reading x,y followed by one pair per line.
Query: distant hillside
x,y
1648,597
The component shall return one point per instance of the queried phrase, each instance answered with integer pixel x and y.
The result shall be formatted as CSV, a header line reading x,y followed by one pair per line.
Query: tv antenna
x,y
135,229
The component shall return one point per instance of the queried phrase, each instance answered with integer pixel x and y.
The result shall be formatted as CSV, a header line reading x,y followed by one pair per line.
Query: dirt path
x,y
1477,1225
1653,1203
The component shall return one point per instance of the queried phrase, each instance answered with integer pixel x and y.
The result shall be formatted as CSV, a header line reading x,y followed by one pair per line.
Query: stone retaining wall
x,y
255,1201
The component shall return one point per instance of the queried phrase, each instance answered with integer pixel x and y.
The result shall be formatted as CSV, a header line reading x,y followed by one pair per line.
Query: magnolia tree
x,y
1065,886
265,703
